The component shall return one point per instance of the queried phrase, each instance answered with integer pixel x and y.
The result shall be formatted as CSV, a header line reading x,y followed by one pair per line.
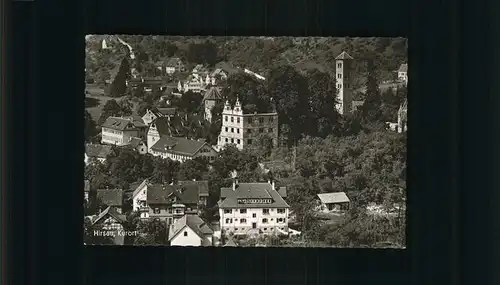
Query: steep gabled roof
x,y
97,150
124,123
110,197
212,94
109,211
180,146
137,186
403,68
202,186
344,55
195,223
161,194
167,111
135,142
249,191
337,197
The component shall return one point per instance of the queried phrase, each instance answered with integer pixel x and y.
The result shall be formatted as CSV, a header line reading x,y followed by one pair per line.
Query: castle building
x,y
343,75
243,130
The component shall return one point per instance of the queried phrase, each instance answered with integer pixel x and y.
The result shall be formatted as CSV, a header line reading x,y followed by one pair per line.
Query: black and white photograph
x,y
245,141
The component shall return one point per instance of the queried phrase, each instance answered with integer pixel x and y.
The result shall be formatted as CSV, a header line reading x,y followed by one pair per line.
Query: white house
x,y
119,130
403,73
253,208
190,230
153,114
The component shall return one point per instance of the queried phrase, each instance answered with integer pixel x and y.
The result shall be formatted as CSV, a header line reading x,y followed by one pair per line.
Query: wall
x,y
148,117
118,137
190,240
237,227
344,80
207,152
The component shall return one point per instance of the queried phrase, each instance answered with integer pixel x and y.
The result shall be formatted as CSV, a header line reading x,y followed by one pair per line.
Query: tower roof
x,y
344,55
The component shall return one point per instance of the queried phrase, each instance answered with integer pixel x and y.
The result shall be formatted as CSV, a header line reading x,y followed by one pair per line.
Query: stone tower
x,y
153,135
343,75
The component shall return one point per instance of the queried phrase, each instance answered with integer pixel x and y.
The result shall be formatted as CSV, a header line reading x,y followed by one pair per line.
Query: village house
x,y
96,152
243,130
111,221
334,202
120,130
138,144
403,73
173,65
200,70
168,202
153,114
202,186
253,208
86,190
212,96
111,197
194,83
190,230
148,84
182,149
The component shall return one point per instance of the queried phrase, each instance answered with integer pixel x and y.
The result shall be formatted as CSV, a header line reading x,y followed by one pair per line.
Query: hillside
x,y
255,53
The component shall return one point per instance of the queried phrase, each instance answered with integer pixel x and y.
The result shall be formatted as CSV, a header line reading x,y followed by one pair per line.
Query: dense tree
x,y
119,86
203,53
171,49
90,127
88,234
192,169
190,101
154,232
113,108
371,107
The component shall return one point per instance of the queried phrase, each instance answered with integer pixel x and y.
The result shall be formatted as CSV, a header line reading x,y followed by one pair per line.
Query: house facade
x,y
166,202
243,130
138,145
173,65
190,230
212,96
253,208
403,73
153,114
120,130
110,221
112,198
86,190
343,75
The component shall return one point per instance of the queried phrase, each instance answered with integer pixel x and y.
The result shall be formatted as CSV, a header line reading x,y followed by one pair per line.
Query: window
x,y
232,119
238,131
243,221
238,119
339,86
265,229
339,75
226,139
232,140
261,120
250,120
238,141
281,220
281,211
178,211
225,118
339,65
254,215
249,141
219,138
265,211
270,130
228,221
235,220
228,211
264,221
226,129
232,130
157,210
185,233
261,130
243,211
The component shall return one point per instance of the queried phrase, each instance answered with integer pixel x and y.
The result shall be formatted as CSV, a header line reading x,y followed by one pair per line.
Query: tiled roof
x,y
195,223
167,111
403,68
124,123
180,146
172,61
252,190
186,194
337,197
111,212
212,94
344,55
202,186
97,150
110,197
135,142
136,186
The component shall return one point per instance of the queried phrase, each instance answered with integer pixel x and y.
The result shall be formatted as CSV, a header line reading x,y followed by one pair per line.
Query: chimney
x,y
274,185
235,183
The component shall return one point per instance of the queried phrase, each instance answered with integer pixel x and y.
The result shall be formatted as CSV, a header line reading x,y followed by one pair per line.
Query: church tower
x,y
153,135
343,75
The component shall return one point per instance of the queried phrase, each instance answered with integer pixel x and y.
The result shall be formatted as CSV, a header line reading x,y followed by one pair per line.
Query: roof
x,y
212,94
231,242
135,142
110,197
86,187
227,67
97,150
110,212
186,194
136,186
172,61
167,111
252,190
124,123
195,223
337,197
178,145
202,186
344,55
403,68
